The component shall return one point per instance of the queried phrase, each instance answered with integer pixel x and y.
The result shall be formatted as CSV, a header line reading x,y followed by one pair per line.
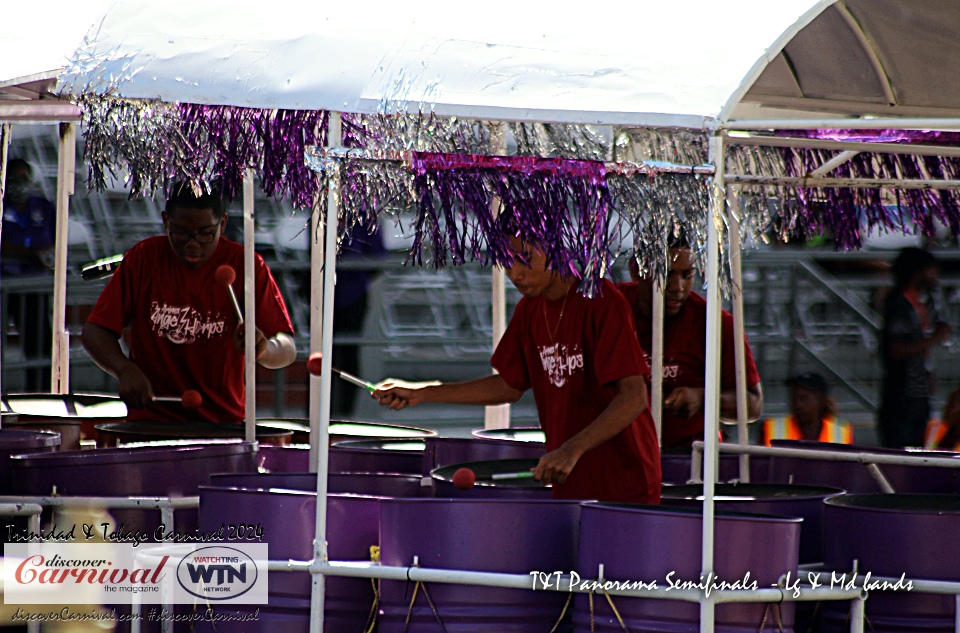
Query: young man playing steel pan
x,y
581,359
184,333
684,350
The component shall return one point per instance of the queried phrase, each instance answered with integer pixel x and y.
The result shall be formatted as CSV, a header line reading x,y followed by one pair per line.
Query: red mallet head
x,y
225,275
191,399
313,363
464,478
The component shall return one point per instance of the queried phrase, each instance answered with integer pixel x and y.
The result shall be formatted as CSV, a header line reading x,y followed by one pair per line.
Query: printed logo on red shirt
x,y
669,371
183,324
559,362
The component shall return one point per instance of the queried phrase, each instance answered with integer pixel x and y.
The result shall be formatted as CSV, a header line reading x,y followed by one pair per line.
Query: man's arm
x,y
103,346
491,389
898,349
280,351
686,401
630,401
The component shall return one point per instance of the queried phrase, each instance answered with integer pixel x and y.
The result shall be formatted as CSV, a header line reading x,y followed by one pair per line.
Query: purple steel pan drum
x,y
378,484
805,502
73,416
287,519
643,544
292,458
443,451
19,442
341,430
512,434
169,469
854,477
117,433
487,488
914,535
675,467
505,536
378,456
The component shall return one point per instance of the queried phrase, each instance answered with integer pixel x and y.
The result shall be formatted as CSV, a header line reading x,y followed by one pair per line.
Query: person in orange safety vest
x,y
812,414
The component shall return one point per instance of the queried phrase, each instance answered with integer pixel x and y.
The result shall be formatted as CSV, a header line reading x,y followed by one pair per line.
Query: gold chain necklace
x,y
555,329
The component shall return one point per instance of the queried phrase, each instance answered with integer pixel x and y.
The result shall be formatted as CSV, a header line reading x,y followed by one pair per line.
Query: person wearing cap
x,y
684,349
813,414
913,324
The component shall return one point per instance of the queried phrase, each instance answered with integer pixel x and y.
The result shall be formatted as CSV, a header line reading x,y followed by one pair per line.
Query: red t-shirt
x,y
685,359
182,324
573,380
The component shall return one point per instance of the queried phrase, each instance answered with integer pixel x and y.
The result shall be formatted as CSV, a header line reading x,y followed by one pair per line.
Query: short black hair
x,y
19,163
187,194
909,262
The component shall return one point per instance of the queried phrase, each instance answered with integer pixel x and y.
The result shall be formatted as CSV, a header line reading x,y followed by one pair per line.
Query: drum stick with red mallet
x,y
225,276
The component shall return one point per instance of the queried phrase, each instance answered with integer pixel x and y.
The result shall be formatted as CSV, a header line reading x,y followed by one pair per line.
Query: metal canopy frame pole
x,y
334,139
5,130
656,353
739,342
498,416
711,398
66,172
249,309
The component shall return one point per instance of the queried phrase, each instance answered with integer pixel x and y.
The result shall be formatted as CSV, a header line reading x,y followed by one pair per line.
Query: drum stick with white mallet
x,y
225,276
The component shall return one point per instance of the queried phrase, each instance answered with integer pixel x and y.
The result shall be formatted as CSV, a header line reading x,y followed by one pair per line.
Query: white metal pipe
x,y
734,138
66,168
857,612
176,503
334,138
849,123
656,354
878,477
869,49
20,509
316,325
5,131
837,456
711,396
840,159
249,309
956,616
739,343
497,416
857,183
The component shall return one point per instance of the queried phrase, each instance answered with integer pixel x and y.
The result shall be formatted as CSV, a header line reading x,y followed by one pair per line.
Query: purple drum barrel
x,y
377,484
169,469
378,456
288,521
341,430
484,488
675,467
293,458
648,543
804,502
505,536
73,416
19,442
890,535
443,451
854,477
138,431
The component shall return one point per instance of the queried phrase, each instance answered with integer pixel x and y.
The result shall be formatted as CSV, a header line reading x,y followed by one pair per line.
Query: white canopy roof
x,y
649,63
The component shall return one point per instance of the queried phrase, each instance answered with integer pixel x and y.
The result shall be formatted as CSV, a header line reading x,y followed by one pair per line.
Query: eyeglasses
x,y
182,236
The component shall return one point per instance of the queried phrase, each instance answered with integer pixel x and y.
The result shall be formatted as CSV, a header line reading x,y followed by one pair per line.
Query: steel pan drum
x,y
341,430
118,433
443,451
854,477
377,484
19,442
513,434
804,502
506,536
485,489
73,416
638,543
675,467
168,469
288,520
293,458
378,456
890,535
